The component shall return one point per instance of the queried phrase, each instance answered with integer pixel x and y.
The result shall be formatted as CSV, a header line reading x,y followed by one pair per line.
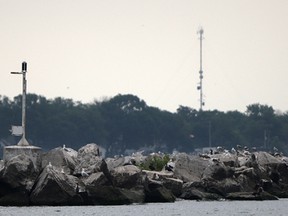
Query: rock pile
x,y
69,177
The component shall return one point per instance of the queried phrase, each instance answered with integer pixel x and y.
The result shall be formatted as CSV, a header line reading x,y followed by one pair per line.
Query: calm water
x,y
215,208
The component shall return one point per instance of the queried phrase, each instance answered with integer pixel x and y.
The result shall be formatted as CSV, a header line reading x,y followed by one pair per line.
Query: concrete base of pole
x,y
23,142
35,153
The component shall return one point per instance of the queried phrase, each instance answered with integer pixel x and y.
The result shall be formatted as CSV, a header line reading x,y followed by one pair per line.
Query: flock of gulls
x,y
239,151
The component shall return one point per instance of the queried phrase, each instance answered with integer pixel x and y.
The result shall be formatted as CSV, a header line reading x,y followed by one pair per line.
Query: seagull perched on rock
x,y
49,166
65,149
83,173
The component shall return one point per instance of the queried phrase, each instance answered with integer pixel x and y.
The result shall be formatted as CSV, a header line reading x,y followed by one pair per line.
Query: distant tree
x,y
127,122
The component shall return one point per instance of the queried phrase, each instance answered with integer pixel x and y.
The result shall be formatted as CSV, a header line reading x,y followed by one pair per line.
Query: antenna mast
x,y
200,88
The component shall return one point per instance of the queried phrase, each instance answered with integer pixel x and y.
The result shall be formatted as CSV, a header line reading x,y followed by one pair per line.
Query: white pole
x,y
23,141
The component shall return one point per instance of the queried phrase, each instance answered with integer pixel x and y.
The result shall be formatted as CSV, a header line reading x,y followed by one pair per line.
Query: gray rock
x,y
112,163
156,192
109,195
194,193
167,179
217,171
174,185
127,176
61,158
96,179
221,188
55,188
19,172
124,185
189,168
227,159
264,159
89,159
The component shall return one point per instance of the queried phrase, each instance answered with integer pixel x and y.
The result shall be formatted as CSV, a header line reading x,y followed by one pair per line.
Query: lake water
x,y
184,207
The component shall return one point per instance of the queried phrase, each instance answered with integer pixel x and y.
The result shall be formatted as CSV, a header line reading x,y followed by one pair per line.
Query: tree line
x,y
125,122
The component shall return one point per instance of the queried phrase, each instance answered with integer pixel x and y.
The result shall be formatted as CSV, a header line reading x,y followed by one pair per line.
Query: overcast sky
x,y
91,49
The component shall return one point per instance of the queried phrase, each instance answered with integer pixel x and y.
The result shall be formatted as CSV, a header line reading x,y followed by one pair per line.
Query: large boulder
x,y
89,159
109,195
55,188
217,171
197,191
156,192
189,168
127,176
266,159
168,180
61,158
19,172
96,180
17,179
123,185
112,163
227,159
174,185
223,187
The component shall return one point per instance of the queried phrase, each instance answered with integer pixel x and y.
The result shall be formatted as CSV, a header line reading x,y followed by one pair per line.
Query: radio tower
x,y
201,31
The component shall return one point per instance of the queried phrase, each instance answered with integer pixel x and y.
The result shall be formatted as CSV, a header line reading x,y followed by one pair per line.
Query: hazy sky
x,y
90,49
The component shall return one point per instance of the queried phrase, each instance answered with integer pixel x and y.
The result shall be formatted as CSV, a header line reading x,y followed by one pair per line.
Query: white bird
x,y
62,170
65,149
83,173
49,166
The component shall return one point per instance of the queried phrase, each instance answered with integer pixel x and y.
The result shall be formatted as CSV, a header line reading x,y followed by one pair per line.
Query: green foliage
x,y
127,122
155,162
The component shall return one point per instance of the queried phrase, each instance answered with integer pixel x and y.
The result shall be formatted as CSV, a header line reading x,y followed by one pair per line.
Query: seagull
x,y
49,166
65,149
233,151
83,173
62,170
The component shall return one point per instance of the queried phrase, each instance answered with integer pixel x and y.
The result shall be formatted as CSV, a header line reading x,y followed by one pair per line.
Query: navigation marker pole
x,y
23,141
